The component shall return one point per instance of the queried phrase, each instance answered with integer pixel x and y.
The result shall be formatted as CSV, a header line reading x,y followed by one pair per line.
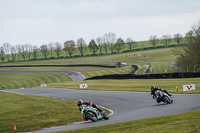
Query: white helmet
x,y
79,102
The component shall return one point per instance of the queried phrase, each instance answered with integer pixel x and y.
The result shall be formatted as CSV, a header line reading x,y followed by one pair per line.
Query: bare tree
x,y
178,38
93,46
69,46
166,40
2,53
44,50
7,48
81,44
131,43
58,49
194,48
153,40
13,53
19,50
100,42
119,44
105,45
189,55
29,50
35,51
189,36
51,48
23,52
110,40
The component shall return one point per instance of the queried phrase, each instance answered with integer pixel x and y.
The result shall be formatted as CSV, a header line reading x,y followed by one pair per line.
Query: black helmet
x,y
79,102
152,87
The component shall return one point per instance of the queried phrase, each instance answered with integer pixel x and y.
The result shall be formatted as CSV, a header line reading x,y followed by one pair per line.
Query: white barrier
x,y
83,86
189,87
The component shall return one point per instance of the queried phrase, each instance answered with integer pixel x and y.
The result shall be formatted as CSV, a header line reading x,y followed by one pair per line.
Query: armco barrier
x,y
148,76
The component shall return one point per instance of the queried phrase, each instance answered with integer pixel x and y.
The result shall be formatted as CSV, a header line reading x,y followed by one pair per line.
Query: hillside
x,y
159,59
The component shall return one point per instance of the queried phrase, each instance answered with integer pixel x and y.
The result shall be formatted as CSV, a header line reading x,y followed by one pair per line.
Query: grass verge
x,y
34,112
178,123
28,80
142,85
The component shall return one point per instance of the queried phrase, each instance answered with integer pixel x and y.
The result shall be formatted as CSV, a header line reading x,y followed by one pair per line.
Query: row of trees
x,y
107,43
166,40
7,51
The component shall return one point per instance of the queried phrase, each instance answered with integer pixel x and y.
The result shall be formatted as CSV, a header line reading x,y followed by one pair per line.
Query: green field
x,y
137,47
29,80
160,60
34,112
142,85
177,123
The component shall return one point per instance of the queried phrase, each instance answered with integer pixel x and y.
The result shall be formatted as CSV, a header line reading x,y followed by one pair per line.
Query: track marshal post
x,y
176,89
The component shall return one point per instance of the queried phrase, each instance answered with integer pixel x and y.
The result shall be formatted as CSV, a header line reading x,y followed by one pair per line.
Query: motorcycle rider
x,y
153,89
80,102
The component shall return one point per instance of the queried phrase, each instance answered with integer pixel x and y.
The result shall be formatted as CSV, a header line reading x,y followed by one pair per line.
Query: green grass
x,y
159,55
34,112
142,85
159,59
139,46
178,123
29,80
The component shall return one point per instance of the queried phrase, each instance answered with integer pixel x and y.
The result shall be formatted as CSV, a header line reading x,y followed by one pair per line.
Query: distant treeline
x,y
105,45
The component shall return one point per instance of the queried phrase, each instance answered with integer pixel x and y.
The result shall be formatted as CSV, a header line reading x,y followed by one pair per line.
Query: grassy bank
x,y
142,85
160,60
28,80
140,45
178,123
165,54
34,112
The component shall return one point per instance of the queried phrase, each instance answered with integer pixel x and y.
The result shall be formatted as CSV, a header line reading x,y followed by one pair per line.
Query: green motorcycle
x,y
91,113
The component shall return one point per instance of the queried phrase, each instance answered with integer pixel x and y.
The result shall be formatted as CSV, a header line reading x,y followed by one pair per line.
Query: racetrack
x,y
126,105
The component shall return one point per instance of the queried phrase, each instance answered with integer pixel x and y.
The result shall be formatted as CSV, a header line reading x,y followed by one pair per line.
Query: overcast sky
x,y
38,22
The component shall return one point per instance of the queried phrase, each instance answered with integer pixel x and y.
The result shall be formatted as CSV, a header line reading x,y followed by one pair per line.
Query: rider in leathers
x,y
153,89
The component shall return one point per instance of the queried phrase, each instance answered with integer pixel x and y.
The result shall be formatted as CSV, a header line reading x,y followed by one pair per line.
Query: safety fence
x,y
149,76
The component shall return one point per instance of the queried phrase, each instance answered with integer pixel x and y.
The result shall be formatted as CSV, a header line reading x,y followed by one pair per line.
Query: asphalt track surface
x,y
126,106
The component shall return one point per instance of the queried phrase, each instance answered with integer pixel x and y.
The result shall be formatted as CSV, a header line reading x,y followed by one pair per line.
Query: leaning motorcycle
x,y
91,113
162,96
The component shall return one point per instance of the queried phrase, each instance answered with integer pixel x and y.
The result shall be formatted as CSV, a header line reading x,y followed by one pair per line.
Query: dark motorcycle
x,y
162,96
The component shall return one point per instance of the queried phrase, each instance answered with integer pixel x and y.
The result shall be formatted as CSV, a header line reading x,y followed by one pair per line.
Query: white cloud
x,y
34,23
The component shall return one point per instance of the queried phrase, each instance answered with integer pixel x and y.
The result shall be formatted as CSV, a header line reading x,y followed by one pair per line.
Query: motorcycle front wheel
x,y
105,116
91,117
